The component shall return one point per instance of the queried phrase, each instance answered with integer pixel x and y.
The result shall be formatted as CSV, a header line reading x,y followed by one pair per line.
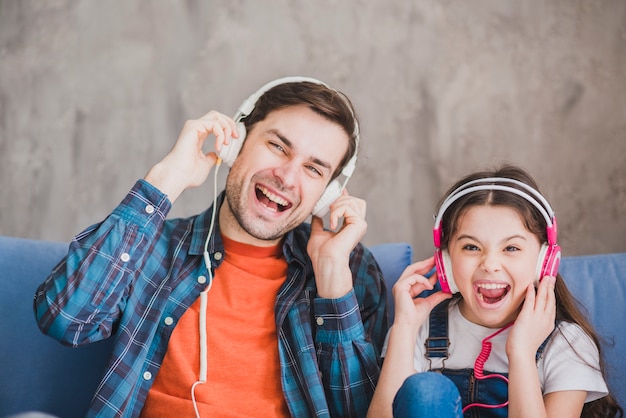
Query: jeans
x,y
427,394
445,394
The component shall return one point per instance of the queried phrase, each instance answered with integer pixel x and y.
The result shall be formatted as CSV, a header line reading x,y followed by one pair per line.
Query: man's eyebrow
x,y
289,145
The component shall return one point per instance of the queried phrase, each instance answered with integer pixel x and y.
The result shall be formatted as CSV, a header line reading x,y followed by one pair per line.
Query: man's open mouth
x,y
492,292
270,200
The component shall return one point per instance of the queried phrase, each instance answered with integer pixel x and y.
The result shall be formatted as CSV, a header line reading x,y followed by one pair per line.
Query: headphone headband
x,y
248,105
507,180
545,210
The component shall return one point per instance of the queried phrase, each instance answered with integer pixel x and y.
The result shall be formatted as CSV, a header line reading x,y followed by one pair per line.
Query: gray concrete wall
x,y
92,93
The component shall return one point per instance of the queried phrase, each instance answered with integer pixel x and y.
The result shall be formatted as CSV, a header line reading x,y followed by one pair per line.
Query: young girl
x,y
504,337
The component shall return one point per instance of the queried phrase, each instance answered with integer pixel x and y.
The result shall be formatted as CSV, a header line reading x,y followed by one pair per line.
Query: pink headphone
x,y
550,254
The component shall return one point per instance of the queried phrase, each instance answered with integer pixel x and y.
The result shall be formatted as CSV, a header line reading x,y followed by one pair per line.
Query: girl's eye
x,y
511,248
470,247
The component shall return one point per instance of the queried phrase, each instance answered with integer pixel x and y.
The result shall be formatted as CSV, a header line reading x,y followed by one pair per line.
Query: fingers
x,y
420,267
223,127
546,297
529,301
352,209
436,298
317,224
541,302
414,283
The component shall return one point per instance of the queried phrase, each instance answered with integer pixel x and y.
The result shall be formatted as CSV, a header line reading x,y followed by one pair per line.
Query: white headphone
x,y
229,152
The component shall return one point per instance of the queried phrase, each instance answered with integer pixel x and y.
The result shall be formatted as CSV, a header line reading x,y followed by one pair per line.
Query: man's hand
x,y
187,165
330,250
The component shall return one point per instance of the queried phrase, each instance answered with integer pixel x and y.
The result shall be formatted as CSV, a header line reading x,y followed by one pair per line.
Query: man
x,y
244,309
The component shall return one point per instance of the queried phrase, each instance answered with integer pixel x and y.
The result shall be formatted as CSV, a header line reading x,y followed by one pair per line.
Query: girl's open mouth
x,y
492,292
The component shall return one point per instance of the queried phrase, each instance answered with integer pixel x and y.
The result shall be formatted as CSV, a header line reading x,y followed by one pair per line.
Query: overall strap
x,y
438,342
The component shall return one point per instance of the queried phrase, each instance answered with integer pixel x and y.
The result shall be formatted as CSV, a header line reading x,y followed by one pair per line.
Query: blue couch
x,y
39,374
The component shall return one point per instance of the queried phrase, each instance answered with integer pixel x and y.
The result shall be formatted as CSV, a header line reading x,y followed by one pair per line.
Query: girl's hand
x,y
535,320
409,309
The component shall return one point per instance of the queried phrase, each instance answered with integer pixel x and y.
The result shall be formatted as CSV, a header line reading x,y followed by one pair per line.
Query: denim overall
x,y
491,391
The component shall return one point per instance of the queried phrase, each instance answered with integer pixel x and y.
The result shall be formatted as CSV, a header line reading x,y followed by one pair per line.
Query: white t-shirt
x,y
560,367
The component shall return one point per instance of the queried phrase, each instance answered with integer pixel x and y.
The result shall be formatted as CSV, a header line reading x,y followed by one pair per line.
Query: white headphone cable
x,y
203,297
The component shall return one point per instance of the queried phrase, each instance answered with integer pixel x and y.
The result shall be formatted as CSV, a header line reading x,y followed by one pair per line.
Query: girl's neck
x,y
475,319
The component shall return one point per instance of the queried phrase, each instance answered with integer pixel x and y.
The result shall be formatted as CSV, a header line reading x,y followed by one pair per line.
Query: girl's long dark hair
x,y
568,309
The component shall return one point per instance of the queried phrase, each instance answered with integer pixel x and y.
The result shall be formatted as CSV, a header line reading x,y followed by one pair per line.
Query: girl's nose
x,y
491,262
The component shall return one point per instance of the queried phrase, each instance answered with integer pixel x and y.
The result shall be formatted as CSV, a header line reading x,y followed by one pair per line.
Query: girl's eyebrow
x,y
463,236
514,236
288,144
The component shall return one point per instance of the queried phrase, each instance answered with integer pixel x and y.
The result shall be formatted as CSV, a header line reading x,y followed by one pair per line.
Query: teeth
x,y
491,286
274,198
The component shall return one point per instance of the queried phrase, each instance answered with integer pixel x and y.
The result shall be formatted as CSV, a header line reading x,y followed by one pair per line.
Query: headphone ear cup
x,y
548,262
444,272
229,152
331,193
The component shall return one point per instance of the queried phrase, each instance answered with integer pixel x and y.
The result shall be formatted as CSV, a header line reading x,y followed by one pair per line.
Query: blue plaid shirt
x,y
134,275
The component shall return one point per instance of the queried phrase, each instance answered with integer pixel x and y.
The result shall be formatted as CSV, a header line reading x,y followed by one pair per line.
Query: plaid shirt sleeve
x,y
84,296
349,337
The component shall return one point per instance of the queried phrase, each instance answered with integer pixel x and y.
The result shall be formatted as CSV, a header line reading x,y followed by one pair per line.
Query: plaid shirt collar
x,y
294,243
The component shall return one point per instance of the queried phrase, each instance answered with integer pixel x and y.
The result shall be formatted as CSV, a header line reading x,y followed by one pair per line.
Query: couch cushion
x,y
598,282
392,258
38,373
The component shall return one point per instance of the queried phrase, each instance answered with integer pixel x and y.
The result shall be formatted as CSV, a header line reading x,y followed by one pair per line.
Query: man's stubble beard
x,y
258,230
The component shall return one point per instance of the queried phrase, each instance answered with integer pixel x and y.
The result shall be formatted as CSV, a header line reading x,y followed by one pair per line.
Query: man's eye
x,y
278,147
314,170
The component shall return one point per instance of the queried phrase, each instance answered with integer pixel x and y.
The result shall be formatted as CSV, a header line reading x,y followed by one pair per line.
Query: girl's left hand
x,y
535,321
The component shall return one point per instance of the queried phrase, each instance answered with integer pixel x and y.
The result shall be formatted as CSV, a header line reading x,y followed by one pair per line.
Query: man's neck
x,y
230,227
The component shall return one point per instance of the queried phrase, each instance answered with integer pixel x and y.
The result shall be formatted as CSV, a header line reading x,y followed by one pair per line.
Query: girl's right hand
x,y
535,321
410,309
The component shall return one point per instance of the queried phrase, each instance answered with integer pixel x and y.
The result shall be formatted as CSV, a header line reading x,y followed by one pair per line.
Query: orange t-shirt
x,y
243,377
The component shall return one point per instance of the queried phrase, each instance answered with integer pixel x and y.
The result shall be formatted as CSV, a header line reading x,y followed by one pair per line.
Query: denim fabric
x,y
491,391
427,394
441,394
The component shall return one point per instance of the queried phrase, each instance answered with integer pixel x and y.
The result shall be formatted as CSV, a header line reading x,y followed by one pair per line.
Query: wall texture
x,y
93,93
